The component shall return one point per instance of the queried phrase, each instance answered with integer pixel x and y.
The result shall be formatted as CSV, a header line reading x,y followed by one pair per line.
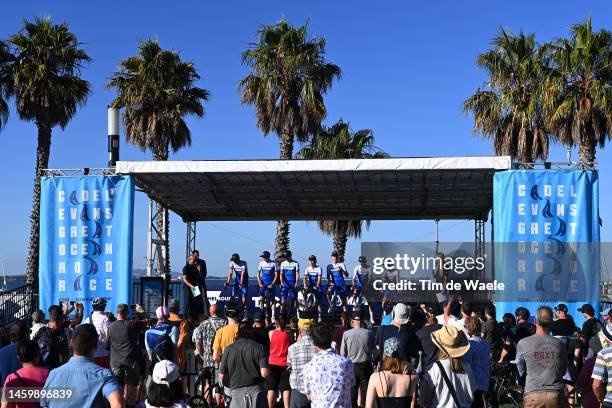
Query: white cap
x,y
161,312
165,372
400,313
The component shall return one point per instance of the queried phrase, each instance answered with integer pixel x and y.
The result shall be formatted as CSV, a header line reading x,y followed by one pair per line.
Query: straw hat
x,y
451,341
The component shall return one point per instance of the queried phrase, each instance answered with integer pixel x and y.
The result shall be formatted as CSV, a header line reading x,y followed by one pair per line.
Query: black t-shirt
x,y
406,337
429,348
242,361
590,328
261,336
493,334
123,339
195,275
563,327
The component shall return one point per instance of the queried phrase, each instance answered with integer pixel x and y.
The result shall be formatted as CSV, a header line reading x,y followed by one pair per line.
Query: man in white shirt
x,y
100,321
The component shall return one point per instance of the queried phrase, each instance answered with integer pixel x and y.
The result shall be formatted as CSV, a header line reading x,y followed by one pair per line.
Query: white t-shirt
x,y
101,322
464,385
451,319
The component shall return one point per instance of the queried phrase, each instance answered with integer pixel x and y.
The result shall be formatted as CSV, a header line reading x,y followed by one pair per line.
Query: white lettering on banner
x,y
61,285
84,249
61,196
521,190
547,228
96,195
108,230
84,230
109,194
84,195
77,267
534,228
73,249
522,265
73,232
109,284
573,210
547,190
556,285
108,213
521,284
61,232
560,190
61,249
560,210
73,214
60,214
521,209
108,266
61,267
92,284
534,209
521,228
572,228
108,248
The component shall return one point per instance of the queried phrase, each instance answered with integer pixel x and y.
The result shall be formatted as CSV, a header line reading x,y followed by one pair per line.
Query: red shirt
x,y
279,345
32,377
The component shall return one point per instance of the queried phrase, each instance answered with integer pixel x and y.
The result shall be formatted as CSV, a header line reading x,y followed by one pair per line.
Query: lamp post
x,y
113,136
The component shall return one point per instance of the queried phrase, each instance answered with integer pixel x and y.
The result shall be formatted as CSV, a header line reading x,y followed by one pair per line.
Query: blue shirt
x,y
8,361
289,269
267,271
237,269
387,320
478,357
154,335
312,273
336,273
90,384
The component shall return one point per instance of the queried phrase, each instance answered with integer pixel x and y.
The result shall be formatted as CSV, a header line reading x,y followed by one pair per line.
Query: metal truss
x,y
557,166
79,172
157,243
479,242
190,242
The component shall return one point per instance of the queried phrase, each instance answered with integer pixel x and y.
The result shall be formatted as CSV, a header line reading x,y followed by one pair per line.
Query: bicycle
x,y
335,301
504,385
236,295
206,376
307,303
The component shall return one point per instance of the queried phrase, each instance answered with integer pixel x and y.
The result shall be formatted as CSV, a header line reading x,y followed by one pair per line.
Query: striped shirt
x,y
298,356
603,371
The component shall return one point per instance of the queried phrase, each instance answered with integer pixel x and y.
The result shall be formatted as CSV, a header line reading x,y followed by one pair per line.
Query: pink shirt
x,y
32,377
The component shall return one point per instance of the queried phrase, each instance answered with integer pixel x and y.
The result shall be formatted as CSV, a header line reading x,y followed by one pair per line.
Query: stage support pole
x,y
190,241
113,136
479,241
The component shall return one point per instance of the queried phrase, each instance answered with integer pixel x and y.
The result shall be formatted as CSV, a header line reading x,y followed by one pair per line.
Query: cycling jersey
x,y
237,269
312,274
336,273
361,275
266,272
288,271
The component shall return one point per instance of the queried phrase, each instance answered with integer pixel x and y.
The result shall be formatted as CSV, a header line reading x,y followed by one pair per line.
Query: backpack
x,y
164,350
52,344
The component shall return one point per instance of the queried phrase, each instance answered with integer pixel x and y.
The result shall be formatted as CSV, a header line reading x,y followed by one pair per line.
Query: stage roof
x,y
374,189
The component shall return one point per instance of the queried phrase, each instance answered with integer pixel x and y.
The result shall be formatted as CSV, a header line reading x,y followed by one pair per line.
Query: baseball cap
x,y
235,257
165,372
312,258
265,254
400,313
362,259
356,315
334,253
258,316
287,254
161,312
586,308
561,307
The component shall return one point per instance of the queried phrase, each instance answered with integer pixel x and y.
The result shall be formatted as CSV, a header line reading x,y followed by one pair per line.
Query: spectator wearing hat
x,y
399,328
358,345
429,349
298,355
521,329
260,331
245,362
601,372
478,357
28,376
38,322
390,386
543,359
165,389
564,325
564,328
100,321
8,354
155,335
591,326
449,381
91,384
328,376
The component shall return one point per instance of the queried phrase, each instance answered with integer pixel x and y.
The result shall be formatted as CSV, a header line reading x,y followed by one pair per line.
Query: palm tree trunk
x,y
282,226
341,237
42,162
586,152
163,224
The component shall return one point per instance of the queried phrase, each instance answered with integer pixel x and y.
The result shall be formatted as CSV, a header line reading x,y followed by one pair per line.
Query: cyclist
x,y
361,277
240,271
266,278
312,279
289,279
336,272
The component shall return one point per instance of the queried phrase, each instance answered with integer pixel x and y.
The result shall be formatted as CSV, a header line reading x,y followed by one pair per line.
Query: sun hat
x,y
161,312
391,346
451,341
165,372
400,313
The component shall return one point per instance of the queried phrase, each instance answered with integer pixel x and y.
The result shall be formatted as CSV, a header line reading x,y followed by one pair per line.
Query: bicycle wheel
x,y
197,401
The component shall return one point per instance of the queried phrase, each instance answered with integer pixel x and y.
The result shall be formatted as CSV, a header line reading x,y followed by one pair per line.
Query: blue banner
x,y
546,236
86,240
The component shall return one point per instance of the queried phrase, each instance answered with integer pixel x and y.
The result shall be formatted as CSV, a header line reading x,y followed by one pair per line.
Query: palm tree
x,y
578,90
509,109
5,80
288,78
44,72
156,90
339,142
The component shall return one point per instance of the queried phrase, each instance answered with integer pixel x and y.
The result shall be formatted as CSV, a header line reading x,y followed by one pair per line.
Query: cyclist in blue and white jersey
x,y
312,279
240,271
336,272
361,277
289,279
267,276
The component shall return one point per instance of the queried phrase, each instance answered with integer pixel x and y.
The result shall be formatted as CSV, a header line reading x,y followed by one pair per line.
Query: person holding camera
x,y
124,350
100,321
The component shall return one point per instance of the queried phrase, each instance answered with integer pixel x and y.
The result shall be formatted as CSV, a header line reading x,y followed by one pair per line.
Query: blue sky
x,y
407,67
